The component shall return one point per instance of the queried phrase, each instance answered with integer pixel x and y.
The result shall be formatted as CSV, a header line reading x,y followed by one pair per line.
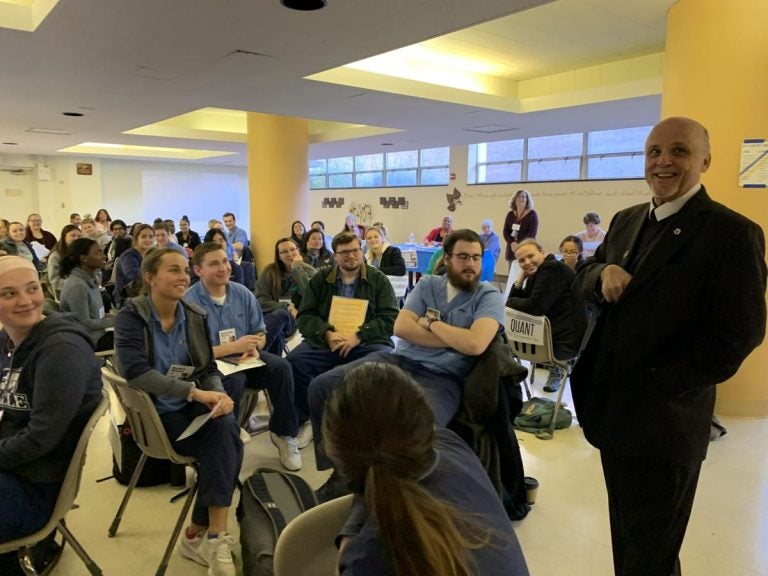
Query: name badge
x,y
179,371
515,227
433,314
227,336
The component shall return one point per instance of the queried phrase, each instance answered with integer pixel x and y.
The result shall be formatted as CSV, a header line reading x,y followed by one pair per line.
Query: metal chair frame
x,y
542,353
153,441
64,503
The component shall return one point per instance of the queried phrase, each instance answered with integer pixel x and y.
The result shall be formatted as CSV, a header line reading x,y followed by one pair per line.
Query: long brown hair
x,y
379,431
277,267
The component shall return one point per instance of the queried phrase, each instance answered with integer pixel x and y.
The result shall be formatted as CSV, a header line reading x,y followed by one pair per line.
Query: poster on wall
x,y
753,169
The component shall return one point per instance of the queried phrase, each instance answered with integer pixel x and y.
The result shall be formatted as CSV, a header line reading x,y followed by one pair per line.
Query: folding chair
x,y
400,286
153,441
64,503
306,545
530,338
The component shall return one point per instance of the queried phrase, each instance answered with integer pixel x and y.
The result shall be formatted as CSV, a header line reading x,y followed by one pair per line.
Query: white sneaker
x,y
218,552
304,437
289,452
191,548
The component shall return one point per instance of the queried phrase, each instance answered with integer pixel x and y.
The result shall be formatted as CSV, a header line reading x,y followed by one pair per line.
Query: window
x,y
608,154
428,167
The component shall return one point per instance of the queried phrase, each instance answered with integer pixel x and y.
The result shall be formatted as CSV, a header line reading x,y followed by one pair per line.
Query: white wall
x,y
137,191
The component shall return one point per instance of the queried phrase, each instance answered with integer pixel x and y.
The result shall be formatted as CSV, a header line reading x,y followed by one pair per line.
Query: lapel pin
x,y
676,231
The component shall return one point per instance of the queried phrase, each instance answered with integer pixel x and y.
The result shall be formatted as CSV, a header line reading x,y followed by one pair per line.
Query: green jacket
x,y
372,286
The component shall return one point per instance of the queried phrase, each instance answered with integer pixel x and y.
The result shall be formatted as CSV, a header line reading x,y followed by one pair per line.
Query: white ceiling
x,y
126,64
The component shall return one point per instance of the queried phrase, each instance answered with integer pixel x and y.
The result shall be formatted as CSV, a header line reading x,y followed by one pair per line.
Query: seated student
x,y
424,504
351,225
34,233
572,252
314,251
379,254
15,245
50,384
436,236
103,221
280,288
69,234
187,239
81,294
219,236
128,271
297,231
237,330
592,235
163,239
163,348
90,230
544,288
319,225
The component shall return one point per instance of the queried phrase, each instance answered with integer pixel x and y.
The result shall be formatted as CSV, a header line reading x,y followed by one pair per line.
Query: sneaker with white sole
x,y
218,552
304,437
191,547
289,452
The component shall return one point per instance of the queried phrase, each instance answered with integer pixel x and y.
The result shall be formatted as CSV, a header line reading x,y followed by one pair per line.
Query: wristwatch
x,y
431,321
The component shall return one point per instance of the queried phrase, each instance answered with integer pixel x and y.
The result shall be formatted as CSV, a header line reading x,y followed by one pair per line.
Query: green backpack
x,y
537,414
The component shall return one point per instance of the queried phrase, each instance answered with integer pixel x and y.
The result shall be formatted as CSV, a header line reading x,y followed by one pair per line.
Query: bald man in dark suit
x,y
679,288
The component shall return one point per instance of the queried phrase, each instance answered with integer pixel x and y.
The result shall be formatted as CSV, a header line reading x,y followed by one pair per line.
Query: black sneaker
x,y
333,488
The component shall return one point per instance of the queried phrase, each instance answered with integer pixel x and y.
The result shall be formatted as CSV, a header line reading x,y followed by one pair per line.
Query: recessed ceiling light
x,y
75,114
58,131
304,5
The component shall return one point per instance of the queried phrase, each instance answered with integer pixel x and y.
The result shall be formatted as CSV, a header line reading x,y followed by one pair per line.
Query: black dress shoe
x,y
334,487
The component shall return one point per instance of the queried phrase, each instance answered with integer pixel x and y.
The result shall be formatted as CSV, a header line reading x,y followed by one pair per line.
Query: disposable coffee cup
x,y
531,487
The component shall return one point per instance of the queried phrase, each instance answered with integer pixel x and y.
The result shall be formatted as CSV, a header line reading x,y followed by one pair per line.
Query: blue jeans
x,y
280,325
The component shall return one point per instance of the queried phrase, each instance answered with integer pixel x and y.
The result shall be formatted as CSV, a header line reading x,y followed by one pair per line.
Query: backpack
x,y
125,458
537,414
269,500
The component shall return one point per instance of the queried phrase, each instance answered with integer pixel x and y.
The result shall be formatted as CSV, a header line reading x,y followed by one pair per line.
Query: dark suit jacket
x,y
694,309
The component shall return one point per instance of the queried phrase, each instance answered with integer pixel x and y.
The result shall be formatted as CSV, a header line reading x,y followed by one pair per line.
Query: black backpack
x,y
269,500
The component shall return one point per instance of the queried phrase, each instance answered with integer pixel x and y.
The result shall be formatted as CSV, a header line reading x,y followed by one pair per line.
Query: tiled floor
x,y
565,533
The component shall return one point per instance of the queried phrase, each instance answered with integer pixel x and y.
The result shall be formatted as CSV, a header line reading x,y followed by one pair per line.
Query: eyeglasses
x,y
467,257
350,252
571,252
289,251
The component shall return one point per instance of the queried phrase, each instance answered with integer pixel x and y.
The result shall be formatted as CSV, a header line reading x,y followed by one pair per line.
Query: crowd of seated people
x,y
150,277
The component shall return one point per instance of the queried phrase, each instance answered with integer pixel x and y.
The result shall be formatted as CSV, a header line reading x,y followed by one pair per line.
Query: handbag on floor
x,y
537,414
269,499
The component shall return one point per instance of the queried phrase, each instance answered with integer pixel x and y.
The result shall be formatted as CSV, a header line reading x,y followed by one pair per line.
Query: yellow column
x,y
716,59
278,153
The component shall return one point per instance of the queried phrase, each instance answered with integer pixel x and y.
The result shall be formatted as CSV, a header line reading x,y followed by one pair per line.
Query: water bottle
x,y
412,239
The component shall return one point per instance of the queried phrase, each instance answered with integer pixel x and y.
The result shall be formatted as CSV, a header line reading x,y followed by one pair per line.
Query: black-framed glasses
x,y
350,252
464,257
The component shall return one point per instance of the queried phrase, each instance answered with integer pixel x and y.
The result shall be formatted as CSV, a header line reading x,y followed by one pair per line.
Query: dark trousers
x,y
442,393
276,378
649,504
280,325
26,506
219,452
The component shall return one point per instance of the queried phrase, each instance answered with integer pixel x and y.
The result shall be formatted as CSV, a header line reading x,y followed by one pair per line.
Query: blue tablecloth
x,y
422,256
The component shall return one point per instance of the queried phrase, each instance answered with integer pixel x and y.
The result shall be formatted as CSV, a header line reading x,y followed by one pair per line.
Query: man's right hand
x,y
333,339
247,343
614,280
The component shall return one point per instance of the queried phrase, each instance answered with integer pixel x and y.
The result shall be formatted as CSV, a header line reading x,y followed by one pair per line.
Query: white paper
x,y
198,423
228,368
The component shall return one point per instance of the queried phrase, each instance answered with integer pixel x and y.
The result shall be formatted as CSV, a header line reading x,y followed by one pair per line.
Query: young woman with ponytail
x,y
424,505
